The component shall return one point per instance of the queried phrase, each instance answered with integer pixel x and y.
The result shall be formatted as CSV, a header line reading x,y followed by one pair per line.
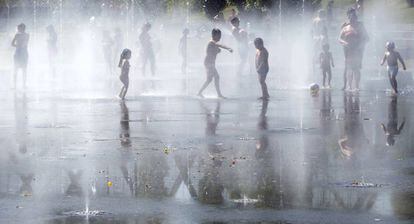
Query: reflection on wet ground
x,y
338,157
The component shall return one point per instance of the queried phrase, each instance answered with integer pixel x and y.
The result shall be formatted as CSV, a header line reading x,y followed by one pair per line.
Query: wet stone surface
x,y
159,159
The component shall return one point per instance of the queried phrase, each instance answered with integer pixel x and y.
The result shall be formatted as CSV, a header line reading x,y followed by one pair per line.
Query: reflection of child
x,y
326,60
262,66
124,77
213,48
392,57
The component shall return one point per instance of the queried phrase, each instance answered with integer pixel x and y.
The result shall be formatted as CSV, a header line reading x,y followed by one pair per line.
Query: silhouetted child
x,y
21,55
147,52
213,48
392,57
326,60
124,77
242,40
182,48
262,66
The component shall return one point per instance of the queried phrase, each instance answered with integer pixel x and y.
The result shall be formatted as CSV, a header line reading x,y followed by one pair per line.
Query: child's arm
x,y
342,40
261,58
383,59
384,128
332,61
401,60
401,126
13,43
224,47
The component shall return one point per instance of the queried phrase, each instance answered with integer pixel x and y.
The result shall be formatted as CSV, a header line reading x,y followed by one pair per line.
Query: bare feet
x,y
222,97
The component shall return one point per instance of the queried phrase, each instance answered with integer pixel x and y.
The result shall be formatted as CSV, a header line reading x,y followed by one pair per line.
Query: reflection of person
x,y
354,138
21,118
147,52
353,38
392,57
52,47
242,39
74,188
124,136
210,186
124,77
326,61
213,48
392,129
262,66
21,55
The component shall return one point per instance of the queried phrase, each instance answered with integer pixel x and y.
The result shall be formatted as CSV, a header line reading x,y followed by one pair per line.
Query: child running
x,y
124,77
392,57
262,66
21,55
326,60
213,48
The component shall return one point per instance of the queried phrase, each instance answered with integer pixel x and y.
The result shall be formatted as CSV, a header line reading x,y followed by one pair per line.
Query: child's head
x,y
186,31
146,27
390,140
216,34
352,16
125,55
314,89
390,46
21,27
258,43
235,22
325,47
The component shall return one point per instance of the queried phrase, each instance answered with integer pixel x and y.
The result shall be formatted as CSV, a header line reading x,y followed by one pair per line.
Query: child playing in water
x,y
21,55
147,52
124,77
262,66
243,42
326,60
213,48
392,57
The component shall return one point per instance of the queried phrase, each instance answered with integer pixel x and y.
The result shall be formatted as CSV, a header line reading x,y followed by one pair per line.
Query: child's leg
x,y
217,83
15,77
206,83
324,76
125,92
345,77
24,72
350,78
144,63
357,77
329,77
394,79
152,63
263,85
121,92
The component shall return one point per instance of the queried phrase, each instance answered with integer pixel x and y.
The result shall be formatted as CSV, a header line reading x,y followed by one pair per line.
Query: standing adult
x,y
353,38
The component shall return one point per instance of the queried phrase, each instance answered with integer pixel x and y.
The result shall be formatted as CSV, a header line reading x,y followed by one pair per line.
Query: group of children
x,y
391,57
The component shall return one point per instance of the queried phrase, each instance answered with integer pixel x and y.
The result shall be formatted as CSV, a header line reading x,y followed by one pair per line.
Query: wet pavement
x,y
72,157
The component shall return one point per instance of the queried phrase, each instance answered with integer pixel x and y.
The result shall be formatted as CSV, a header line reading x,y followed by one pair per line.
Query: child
x,y
21,55
326,60
147,52
213,48
262,66
392,57
124,77
242,39
182,48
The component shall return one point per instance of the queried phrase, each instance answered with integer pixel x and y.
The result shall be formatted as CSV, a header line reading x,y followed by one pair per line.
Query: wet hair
x,y
258,42
390,45
215,32
186,31
325,46
21,27
390,140
125,53
234,21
